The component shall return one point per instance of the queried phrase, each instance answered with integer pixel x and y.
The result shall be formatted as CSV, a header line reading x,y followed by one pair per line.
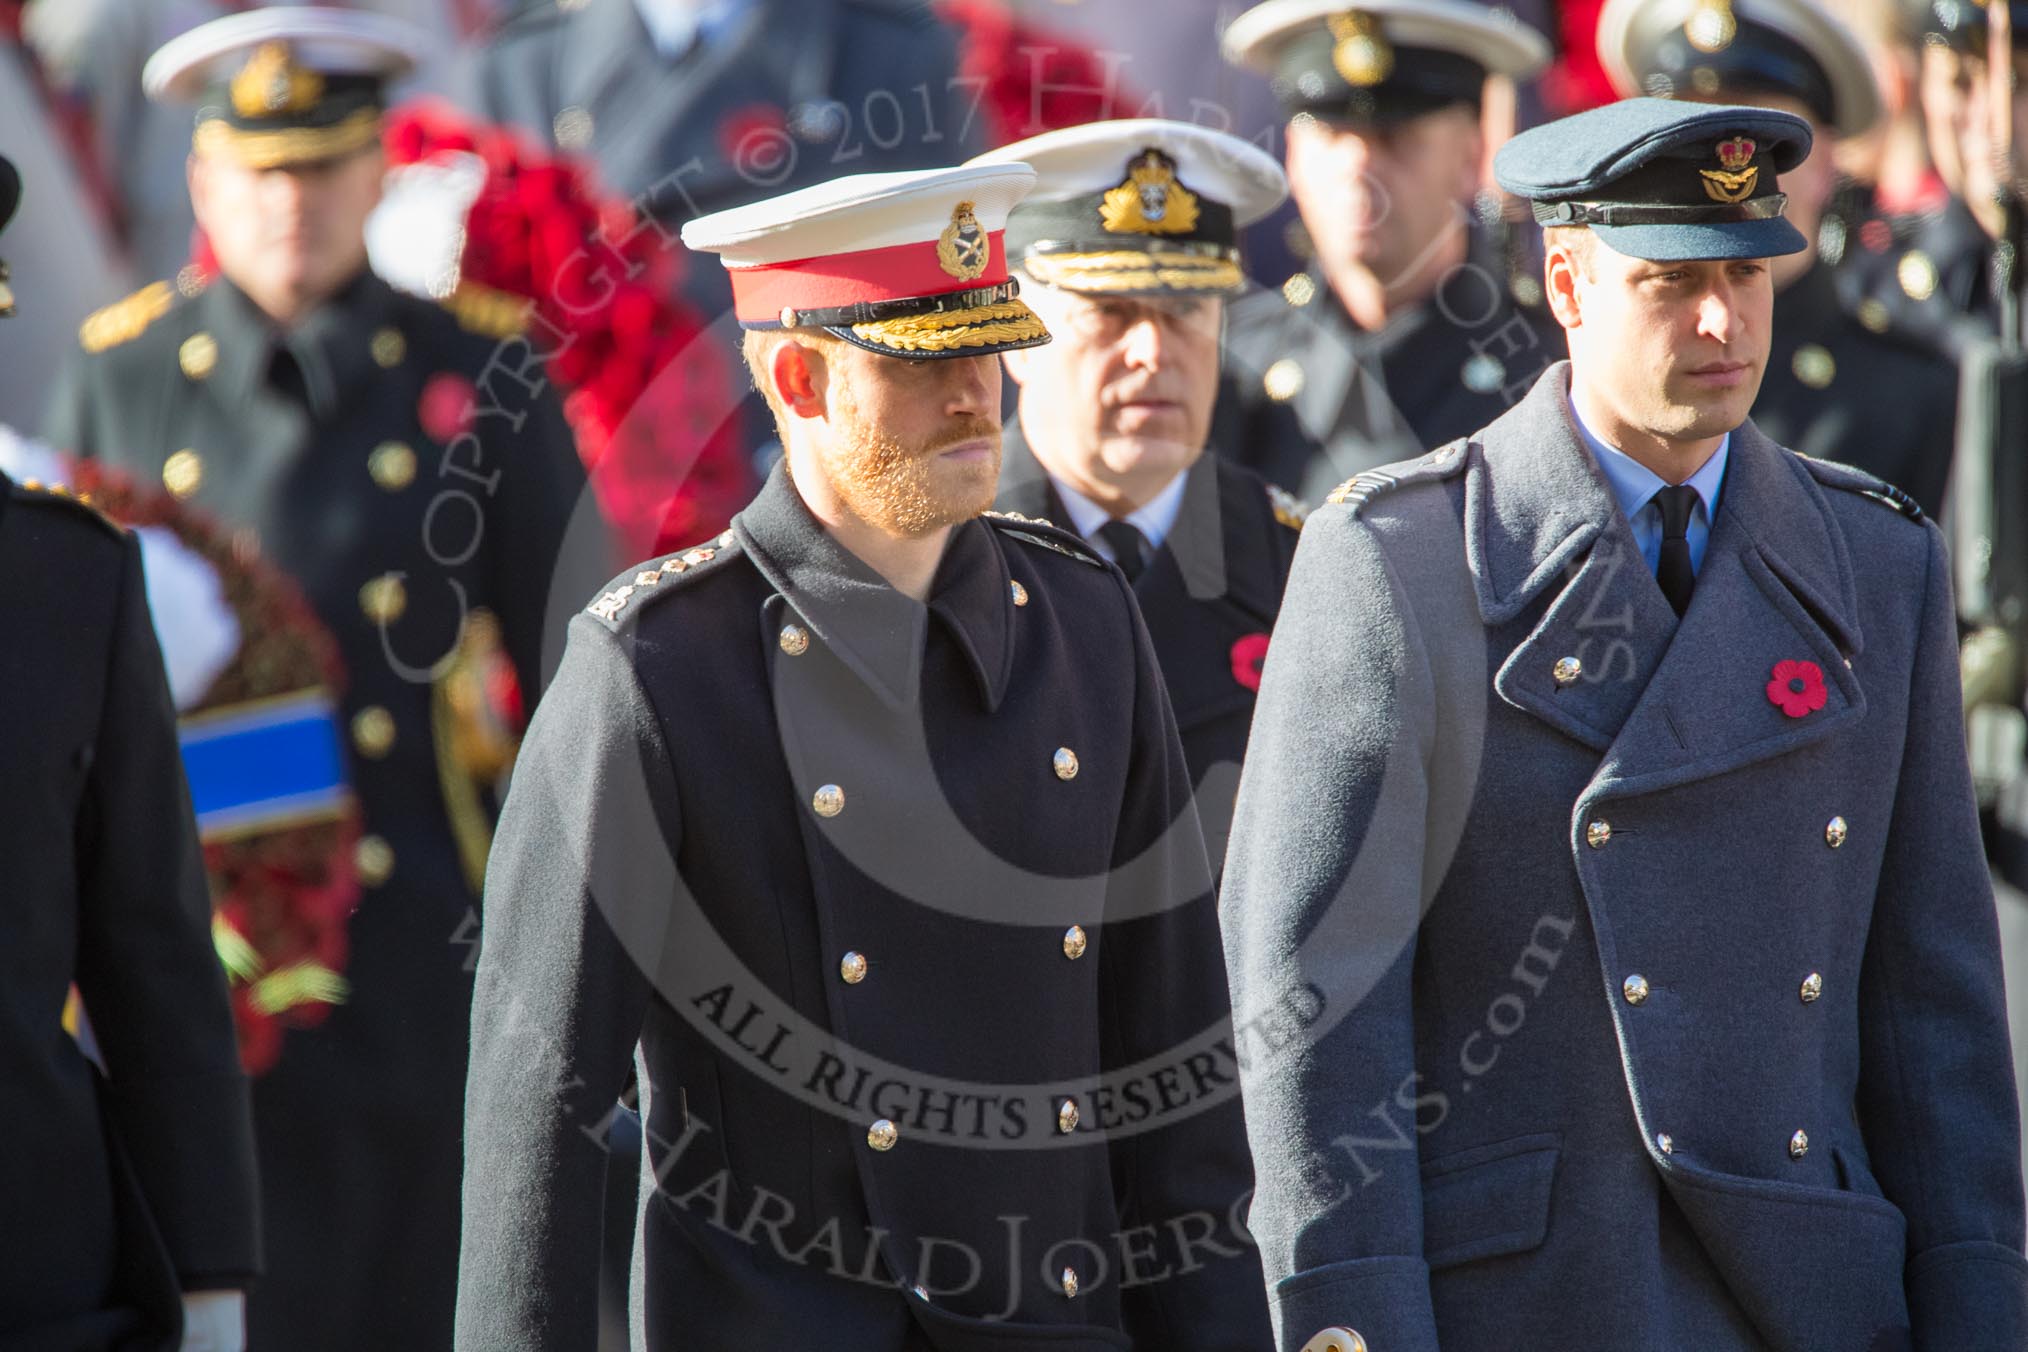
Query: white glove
x,y
214,1321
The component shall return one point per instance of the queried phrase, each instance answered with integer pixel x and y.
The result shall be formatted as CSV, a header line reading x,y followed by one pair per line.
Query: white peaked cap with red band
x,y
910,264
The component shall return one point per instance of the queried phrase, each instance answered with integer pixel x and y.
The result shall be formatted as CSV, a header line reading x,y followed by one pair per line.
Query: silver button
x,y
794,640
1597,834
920,1293
828,801
1064,762
1020,593
1635,988
1074,942
1799,1145
1070,1281
1813,986
1066,1117
1666,1143
1567,670
1835,832
882,1135
853,968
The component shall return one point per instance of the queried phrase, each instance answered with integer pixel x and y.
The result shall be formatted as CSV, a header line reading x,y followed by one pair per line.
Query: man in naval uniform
x,y
1404,334
1607,804
1128,247
128,1169
865,828
408,472
1838,385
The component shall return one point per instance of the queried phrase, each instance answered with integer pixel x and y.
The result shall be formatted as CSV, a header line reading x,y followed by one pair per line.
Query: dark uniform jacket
x,y
315,449
1311,399
882,892
1939,284
1886,402
119,1191
1208,596
1636,1008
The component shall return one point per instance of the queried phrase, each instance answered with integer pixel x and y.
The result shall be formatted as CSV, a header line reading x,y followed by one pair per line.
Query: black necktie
x,y
1129,546
1672,568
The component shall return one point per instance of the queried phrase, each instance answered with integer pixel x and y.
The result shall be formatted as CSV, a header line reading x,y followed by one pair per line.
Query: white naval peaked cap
x,y
1138,205
910,264
1722,50
1493,38
321,39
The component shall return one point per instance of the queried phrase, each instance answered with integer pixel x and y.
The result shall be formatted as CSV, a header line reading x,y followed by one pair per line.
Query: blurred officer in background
x,y
299,399
1404,333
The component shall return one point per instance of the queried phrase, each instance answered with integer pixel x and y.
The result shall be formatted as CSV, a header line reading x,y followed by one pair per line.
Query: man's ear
x,y
797,371
1562,276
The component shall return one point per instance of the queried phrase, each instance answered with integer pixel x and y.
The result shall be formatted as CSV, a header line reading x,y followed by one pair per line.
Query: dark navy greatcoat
x,y
1586,997
117,1191
1209,596
879,890
315,448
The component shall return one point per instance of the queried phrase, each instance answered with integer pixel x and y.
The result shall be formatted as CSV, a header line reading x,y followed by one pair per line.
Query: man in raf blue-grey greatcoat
x,y
1613,957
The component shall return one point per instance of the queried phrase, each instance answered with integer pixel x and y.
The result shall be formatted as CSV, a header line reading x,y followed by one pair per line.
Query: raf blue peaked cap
x,y
1662,180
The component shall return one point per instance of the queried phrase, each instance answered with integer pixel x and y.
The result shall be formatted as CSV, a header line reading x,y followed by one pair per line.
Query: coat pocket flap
x,y
1488,1201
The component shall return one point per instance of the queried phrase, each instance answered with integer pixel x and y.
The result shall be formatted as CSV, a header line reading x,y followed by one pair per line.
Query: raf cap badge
x,y
1150,201
963,249
1362,55
1733,183
271,82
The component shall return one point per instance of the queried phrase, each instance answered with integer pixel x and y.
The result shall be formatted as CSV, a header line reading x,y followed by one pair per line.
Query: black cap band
x,y
1385,83
1622,213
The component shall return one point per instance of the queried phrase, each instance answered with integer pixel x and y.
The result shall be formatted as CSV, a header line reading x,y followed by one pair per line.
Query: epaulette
x,y
628,590
1362,488
1288,510
1038,531
34,490
1855,480
125,320
487,310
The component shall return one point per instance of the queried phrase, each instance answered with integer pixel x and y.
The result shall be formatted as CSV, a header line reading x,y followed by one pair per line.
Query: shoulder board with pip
x,y
629,592
1364,487
58,495
1288,510
1036,530
1855,480
125,320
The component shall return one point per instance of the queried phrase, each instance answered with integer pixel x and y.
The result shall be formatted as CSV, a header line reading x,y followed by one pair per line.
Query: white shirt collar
x,y
1155,519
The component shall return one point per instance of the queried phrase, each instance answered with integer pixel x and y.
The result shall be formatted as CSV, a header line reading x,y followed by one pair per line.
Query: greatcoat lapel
x,y
1666,701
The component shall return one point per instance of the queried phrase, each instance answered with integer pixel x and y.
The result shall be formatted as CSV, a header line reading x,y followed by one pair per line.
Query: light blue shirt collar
x,y
674,26
1154,520
1634,486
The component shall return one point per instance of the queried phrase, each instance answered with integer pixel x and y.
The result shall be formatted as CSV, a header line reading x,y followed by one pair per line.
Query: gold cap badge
x,y
964,248
1734,182
1712,27
1150,201
1362,55
271,83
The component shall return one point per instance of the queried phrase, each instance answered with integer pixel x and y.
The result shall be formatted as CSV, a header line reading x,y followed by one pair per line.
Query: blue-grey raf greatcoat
x,y
1597,986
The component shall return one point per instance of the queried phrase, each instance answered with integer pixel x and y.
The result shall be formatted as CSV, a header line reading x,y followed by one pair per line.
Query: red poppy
x,y
1797,688
447,406
1248,655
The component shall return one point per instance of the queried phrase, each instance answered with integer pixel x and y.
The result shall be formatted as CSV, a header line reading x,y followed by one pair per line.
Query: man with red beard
x,y
867,825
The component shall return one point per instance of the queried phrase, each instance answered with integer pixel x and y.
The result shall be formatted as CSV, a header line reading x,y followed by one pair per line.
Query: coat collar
x,y
875,630
1211,553
1665,700
333,343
